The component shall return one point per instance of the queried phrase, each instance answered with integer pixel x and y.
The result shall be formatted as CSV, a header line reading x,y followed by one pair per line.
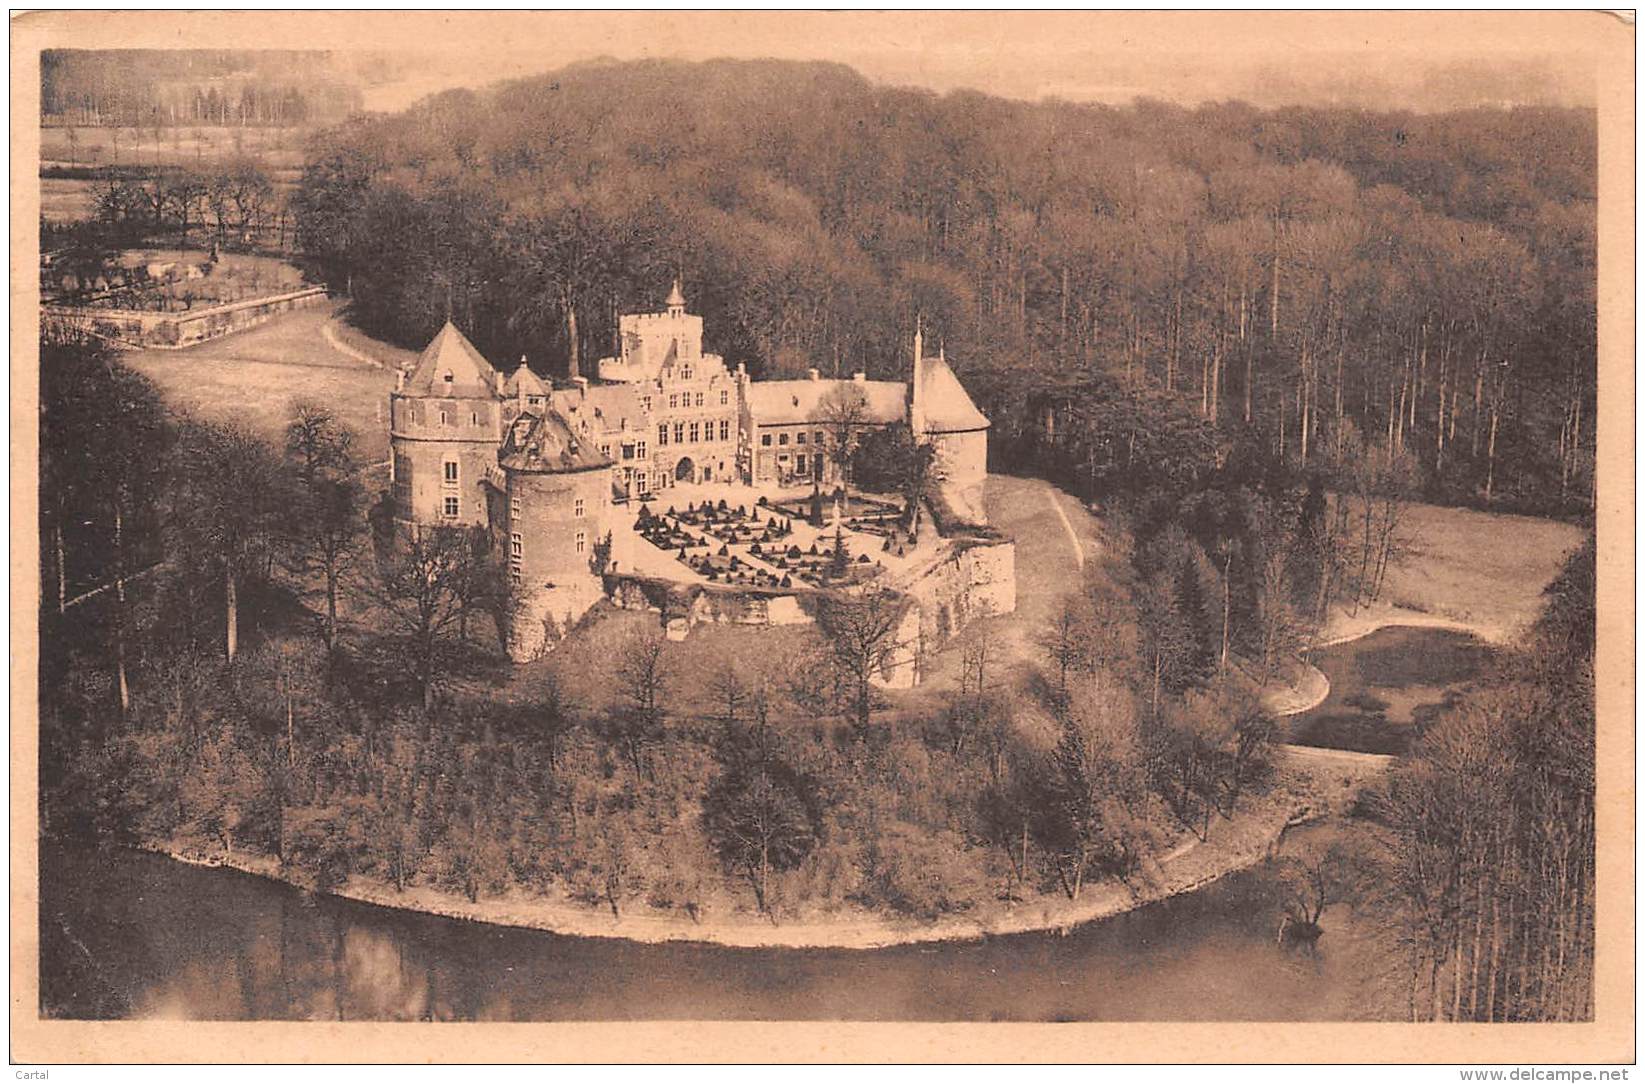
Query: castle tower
x,y
649,342
556,491
445,421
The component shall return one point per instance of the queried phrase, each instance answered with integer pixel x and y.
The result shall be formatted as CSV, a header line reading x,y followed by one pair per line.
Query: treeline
x,y
235,202
1276,275
234,205
215,87
1491,832
259,675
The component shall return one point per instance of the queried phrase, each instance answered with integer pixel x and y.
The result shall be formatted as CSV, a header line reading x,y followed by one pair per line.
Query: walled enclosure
x,y
173,330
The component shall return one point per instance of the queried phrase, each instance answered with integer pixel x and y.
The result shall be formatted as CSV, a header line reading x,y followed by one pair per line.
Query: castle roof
x,y
544,444
603,407
451,366
525,382
944,404
676,297
778,402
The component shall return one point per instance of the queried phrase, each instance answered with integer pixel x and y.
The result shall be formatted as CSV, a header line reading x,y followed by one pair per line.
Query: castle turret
x,y
444,429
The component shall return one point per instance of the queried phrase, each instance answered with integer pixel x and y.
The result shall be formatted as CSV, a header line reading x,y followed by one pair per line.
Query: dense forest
x,y
1278,281
138,88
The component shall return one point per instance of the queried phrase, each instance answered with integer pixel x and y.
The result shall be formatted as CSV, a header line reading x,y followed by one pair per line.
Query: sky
x,y
1408,60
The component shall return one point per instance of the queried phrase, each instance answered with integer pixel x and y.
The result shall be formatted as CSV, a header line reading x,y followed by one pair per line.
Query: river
x,y
128,934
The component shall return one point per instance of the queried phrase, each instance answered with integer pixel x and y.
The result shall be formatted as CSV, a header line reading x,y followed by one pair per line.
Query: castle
x,y
544,469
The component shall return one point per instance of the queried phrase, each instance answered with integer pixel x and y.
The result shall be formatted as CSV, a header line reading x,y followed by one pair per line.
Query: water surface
x,y
126,934
1386,687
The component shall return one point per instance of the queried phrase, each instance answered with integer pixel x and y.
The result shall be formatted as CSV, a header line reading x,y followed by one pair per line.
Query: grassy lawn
x,y
1481,569
254,377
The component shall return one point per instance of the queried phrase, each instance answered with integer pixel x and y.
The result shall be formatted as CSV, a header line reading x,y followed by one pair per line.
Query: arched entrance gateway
x,y
685,470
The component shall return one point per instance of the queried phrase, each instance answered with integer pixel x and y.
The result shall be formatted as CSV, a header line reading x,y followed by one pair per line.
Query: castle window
x,y
817,436
445,417
451,508
662,434
725,397
605,450
696,430
685,374
534,400
645,403
451,472
577,508
765,440
582,541
782,438
803,465
799,438
514,575
673,402
474,417
623,425
514,507
679,432
725,429
699,398
639,449
516,545
628,450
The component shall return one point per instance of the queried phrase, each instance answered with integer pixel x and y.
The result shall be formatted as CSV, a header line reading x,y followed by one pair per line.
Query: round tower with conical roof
x,y
445,420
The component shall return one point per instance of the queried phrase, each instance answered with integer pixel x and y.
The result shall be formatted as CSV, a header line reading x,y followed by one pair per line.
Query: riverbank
x,y
1233,845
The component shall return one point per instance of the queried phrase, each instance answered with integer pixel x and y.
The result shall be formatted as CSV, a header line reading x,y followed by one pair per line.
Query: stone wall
x,y
683,606
971,578
974,578
174,330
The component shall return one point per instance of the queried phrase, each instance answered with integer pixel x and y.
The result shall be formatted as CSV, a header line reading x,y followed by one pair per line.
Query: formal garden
x,y
776,544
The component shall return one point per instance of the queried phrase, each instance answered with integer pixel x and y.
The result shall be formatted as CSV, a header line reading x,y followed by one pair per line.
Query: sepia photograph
x,y
829,518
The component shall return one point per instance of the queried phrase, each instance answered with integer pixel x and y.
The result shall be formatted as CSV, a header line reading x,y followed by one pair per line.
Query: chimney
x,y
861,378
813,374
399,380
581,383
500,392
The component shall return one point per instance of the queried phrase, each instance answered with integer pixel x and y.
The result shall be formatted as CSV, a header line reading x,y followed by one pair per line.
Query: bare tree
x,y
843,413
861,628
641,672
327,532
421,585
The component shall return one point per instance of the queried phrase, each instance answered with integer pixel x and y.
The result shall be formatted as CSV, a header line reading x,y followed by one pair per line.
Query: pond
x,y
1387,686
127,934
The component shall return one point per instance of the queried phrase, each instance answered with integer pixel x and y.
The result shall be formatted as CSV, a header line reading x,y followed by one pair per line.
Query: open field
x,y
87,145
253,378
1476,570
279,151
